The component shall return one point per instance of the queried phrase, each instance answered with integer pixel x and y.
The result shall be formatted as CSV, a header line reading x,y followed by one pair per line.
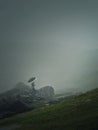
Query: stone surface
x,y
21,98
45,92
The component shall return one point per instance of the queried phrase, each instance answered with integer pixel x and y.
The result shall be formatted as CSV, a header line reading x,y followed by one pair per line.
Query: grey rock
x,y
21,98
45,92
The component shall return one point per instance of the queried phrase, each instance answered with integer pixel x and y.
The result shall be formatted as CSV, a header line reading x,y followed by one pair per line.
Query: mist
x,y
55,41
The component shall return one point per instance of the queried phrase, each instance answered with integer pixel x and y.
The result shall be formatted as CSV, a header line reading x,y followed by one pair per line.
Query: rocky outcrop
x,y
46,92
22,98
19,89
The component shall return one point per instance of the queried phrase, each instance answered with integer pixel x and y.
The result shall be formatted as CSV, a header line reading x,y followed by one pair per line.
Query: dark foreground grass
x,y
75,113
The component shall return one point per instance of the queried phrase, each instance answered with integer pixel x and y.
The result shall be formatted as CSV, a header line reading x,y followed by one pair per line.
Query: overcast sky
x,y
54,40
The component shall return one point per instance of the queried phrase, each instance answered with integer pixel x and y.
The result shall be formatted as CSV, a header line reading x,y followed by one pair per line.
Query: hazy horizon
x,y
55,41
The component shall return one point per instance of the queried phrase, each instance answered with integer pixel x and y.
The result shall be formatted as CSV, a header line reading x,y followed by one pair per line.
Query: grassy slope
x,y
75,113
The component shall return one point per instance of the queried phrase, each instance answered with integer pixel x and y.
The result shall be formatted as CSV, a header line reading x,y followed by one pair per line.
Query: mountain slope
x,y
74,113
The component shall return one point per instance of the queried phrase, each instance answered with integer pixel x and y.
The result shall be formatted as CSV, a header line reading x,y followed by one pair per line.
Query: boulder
x,y
46,92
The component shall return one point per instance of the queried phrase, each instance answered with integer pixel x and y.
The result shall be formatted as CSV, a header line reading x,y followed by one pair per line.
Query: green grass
x,y
74,113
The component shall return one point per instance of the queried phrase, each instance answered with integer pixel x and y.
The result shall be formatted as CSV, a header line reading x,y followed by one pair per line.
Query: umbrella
x,y
31,79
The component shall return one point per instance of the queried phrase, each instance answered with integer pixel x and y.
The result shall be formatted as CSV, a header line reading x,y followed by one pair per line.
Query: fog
x,y
55,41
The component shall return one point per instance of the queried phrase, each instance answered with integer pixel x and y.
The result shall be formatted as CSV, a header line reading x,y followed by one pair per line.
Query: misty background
x,y
53,40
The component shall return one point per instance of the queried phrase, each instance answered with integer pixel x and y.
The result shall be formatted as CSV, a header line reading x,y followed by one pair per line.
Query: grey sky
x,y
55,40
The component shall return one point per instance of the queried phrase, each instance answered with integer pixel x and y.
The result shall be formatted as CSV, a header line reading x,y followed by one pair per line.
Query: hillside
x,y
73,113
23,98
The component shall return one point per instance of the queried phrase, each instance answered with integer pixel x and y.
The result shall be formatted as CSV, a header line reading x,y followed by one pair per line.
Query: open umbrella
x,y
32,79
